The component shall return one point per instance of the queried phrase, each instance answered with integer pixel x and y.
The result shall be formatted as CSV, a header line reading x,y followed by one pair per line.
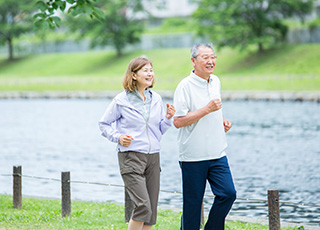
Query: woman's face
x,y
144,77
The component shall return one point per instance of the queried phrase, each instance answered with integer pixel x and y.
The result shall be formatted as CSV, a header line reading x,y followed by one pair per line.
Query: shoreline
x,y
265,221
256,220
312,96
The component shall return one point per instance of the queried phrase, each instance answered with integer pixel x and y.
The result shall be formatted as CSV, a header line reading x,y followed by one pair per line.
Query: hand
x,y
125,140
214,105
227,125
170,111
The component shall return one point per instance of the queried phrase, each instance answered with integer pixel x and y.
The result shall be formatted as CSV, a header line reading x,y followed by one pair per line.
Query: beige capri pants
x,y
141,175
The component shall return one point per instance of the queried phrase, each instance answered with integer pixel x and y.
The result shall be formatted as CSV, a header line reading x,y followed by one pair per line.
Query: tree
x,y
109,22
116,28
15,20
239,23
47,17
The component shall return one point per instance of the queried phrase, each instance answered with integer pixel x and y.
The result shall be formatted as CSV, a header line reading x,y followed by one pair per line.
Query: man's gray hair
x,y
194,50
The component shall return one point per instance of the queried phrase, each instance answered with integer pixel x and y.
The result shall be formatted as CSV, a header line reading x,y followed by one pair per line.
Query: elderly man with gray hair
x,y
202,142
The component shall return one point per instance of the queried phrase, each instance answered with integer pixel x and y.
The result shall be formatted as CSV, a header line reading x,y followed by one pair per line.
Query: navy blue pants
x,y
194,177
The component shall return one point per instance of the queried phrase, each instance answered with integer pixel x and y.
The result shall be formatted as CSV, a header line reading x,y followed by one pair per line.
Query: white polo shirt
x,y
204,139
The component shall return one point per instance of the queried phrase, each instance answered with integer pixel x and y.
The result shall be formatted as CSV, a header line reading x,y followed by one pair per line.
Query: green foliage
x,y
239,23
174,25
15,20
314,24
115,28
47,17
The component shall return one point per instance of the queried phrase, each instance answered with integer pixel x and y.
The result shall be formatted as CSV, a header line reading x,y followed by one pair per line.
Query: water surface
x,y
272,145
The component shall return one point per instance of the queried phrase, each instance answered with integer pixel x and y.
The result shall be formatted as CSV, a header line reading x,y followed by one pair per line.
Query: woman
x,y
140,122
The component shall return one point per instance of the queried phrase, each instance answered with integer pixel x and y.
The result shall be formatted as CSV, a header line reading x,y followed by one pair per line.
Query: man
x,y
202,142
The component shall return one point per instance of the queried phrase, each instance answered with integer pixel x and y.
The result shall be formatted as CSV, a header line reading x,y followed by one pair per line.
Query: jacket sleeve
x,y
165,123
111,115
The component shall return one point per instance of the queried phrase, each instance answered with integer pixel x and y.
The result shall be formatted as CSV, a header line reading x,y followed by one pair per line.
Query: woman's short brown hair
x,y
134,66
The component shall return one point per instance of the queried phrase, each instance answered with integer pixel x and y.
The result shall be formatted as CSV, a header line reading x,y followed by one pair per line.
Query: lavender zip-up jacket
x,y
146,134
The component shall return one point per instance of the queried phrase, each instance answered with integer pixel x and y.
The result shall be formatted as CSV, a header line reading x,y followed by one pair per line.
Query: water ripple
x,y
272,145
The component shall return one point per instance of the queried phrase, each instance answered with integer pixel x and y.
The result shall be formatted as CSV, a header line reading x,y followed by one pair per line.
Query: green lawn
x,y
46,214
287,68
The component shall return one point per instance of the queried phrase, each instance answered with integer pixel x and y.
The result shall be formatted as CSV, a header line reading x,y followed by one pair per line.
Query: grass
x,y
46,214
285,68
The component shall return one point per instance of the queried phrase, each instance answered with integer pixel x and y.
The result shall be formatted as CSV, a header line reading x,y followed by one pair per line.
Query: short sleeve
x,y
181,101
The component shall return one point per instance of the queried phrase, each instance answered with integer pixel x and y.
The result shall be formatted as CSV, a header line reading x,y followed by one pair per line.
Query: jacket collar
x,y
122,99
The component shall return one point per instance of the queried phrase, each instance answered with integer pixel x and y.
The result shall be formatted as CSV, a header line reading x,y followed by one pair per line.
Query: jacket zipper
x,y
147,130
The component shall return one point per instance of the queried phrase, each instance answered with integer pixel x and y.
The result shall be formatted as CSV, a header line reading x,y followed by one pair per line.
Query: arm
x,y
110,116
105,124
196,115
166,123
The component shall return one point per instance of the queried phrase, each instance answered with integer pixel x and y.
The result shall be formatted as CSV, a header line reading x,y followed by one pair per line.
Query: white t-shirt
x,y
204,139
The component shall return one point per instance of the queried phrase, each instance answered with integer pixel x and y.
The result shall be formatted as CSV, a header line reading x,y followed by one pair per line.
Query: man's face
x,y
205,62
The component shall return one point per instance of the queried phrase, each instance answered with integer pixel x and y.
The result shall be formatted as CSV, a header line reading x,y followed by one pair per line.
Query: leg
x,y
132,168
222,186
193,185
135,225
140,198
152,178
138,225
152,175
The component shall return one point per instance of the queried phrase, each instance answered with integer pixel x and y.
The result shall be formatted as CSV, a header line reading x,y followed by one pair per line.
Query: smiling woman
x,y
143,78
139,75
140,121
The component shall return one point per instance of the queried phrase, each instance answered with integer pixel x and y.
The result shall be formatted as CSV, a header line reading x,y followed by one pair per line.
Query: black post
x,y
17,187
65,194
274,210
128,209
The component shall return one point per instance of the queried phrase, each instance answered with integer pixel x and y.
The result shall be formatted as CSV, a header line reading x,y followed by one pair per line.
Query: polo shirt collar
x,y
200,79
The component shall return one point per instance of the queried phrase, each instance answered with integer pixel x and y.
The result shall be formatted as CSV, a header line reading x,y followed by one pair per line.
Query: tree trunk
x,y
260,46
119,52
10,49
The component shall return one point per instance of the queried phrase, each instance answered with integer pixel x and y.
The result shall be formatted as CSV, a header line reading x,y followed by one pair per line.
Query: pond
x,y
272,145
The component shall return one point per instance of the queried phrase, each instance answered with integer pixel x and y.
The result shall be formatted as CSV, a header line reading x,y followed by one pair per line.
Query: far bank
x,y
312,96
286,68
